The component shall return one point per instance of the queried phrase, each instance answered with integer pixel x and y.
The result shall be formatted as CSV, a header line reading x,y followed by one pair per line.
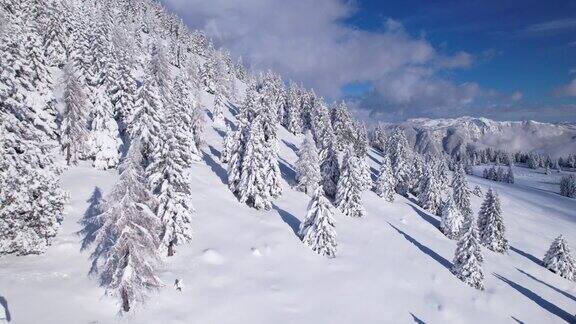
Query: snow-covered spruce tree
x,y
317,229
468,257
378,138
218,110
321,125
343,126
442,173
292,120
123,88
228,144
559,259
55,34
208,74
385,183
509,178
452,219
274,95
169,185
253,171
430,197
568,186
460,191
146,120
308,166
252,187
417,178
330,169
74,125
399,152
104,136
127,239
491,225
348,193
477,191
31,200
186,120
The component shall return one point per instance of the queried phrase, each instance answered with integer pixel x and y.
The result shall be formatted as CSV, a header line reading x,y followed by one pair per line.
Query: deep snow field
x,y
248,266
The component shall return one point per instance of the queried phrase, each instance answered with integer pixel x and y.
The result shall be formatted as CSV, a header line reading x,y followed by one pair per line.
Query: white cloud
x,y
308,42
553,26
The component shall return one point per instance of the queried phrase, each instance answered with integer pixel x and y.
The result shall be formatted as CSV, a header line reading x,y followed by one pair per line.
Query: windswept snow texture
x,y
248,266
451,135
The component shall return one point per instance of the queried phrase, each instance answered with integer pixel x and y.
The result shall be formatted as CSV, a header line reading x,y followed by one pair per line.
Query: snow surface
x,y
248,266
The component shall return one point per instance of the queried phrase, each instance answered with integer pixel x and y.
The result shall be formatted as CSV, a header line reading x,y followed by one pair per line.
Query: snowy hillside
x,y
146,178
245,265
450,135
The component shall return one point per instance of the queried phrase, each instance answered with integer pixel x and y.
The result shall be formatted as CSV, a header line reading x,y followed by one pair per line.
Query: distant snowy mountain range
x,y
452,135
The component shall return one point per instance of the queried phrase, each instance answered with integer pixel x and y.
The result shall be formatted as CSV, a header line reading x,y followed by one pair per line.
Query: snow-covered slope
x,y
450,135
246,266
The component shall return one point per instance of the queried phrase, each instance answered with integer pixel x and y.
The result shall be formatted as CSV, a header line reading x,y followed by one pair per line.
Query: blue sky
x,y
528,46
401,59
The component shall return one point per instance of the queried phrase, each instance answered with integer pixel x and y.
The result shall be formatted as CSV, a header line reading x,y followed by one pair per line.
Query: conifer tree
x,y
452,220
32,202
228,144
186,121
460,191
348,194
568,186
252,188
398,152
385,183
217,112
559,259
171,188
491,225
430,197
317,229
510,174
104,136
146,121
292,120
343,127
308,166
127,238
468,258
74,126
330,170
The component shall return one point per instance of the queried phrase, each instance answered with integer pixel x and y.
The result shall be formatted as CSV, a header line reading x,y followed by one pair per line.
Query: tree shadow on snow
x,y
553,309
428,218
287,171
4,304
291,146
373,174
440,259
220,132
374,159
558,290
288,218
90,225
215,152
526,255
416,319
215,166
517,320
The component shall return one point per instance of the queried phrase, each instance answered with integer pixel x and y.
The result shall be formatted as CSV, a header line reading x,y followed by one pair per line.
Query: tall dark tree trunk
x,y
171,251
125,301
